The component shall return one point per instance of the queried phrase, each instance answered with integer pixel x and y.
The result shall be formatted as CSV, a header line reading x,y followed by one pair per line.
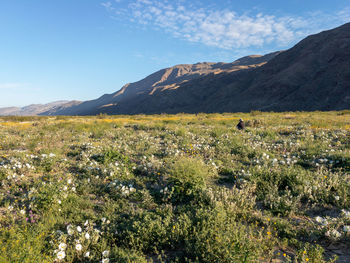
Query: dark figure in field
x,y
240,125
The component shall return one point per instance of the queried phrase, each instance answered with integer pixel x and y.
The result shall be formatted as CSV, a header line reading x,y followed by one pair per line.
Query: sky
x,y
81,49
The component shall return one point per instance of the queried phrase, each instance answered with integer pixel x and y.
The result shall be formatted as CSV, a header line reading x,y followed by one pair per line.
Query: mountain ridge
x,y
164,79
312,75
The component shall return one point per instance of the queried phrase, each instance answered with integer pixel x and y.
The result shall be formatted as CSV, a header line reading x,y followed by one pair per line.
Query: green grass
x,y
175,188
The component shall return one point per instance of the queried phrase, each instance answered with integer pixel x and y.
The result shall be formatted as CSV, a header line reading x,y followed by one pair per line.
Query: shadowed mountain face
x,y
168,79
313,75
36,109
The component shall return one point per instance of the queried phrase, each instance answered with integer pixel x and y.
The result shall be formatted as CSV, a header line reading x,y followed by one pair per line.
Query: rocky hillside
x,y
168,79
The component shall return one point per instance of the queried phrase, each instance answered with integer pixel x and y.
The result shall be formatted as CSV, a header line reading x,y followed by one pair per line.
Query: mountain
x,y
168,79
312,75
8,111
36,109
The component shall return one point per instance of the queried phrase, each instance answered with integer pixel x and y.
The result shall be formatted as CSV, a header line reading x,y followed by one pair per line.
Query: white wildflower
x,y
62,246
346,213
321,220
333,234
61,255
78,247
70,230
105,253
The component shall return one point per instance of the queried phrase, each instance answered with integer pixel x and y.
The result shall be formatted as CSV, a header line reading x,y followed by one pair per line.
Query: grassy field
x,y
176,188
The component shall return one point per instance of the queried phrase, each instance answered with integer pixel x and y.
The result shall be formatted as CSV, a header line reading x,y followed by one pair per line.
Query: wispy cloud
x,y
222,28
344,15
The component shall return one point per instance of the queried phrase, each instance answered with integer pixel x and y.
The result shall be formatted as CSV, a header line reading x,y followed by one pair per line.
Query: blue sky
x,y
81,49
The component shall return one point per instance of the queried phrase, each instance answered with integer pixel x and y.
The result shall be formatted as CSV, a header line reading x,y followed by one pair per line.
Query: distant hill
x,y
36,109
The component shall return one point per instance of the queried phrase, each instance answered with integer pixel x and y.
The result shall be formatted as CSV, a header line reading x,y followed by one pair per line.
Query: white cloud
x,y
344,15
224,28
107,5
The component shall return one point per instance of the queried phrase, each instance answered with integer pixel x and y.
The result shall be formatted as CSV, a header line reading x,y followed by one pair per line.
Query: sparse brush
x,y
175,188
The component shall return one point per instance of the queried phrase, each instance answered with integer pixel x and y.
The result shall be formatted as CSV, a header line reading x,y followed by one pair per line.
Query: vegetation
x,y
175,188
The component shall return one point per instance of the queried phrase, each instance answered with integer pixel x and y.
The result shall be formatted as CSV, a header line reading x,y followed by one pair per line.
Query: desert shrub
x,y
111,156
215,237
240,148
255,113
3,175
119,255
344,112
148,232
218,131
327,188
280,202
267,134
254,123
279,189
23,244
236,201
188,177
181,131
44,195
313,254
